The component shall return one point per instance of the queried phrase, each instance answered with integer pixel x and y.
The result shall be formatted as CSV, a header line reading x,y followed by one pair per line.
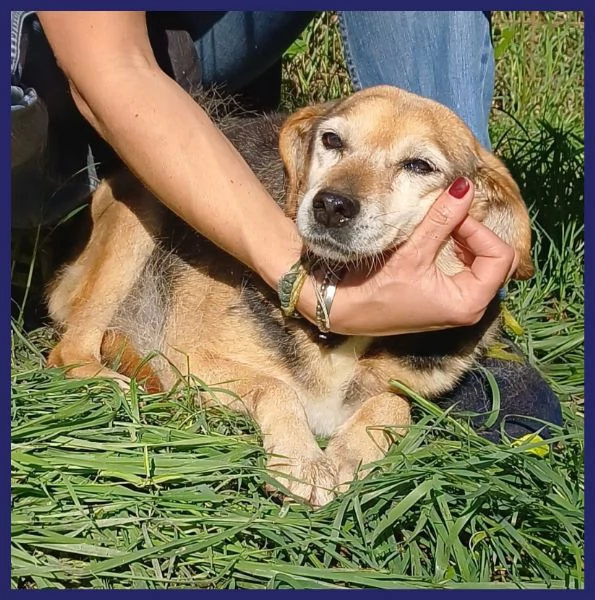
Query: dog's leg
x,y
362,440
117,348
295,459
89,293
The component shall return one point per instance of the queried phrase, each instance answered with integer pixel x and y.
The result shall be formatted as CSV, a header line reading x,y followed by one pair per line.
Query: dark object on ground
x,y
526,400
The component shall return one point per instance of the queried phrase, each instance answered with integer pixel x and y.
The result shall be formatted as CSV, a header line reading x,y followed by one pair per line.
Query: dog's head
x,y
364,171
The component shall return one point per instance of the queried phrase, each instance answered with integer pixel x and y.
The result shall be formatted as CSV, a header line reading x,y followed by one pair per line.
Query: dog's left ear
x,y
499,204
295,147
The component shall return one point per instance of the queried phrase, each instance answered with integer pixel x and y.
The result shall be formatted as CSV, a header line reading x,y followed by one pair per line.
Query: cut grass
x,y
146,491
110,491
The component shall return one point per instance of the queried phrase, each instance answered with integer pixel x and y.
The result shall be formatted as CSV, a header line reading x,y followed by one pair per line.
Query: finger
x,y
467,257
447,212
463,254
494,260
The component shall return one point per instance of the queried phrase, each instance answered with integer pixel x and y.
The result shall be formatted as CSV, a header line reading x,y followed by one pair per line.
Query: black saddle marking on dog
x,y
433,349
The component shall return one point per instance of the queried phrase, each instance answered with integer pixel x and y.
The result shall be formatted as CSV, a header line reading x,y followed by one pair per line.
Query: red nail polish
x,y
459,188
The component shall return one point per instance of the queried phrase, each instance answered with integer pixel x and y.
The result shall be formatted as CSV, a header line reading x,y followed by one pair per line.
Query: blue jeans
x,y
443,55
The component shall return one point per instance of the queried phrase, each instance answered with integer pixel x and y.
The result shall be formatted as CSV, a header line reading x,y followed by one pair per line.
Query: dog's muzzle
x,y
334,210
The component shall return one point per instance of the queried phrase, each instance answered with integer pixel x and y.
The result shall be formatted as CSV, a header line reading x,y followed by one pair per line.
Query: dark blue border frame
x,y
276,5
288,4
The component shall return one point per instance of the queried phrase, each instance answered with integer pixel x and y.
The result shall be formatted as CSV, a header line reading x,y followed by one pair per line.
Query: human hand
x,y
410,294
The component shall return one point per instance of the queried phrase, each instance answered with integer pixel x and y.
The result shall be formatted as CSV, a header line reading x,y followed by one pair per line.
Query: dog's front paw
x,y
361,440
349,463
311,477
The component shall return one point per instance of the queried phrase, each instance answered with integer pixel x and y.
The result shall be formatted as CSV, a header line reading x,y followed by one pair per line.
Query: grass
x,y
144,491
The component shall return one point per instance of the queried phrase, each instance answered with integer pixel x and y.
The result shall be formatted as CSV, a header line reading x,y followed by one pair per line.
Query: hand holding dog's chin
x,y
410,294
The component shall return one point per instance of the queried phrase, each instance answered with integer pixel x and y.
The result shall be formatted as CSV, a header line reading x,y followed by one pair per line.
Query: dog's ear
x,y
499,204
295,147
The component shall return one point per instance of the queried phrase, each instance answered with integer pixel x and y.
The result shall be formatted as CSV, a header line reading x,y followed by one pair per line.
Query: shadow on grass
x,y
547,162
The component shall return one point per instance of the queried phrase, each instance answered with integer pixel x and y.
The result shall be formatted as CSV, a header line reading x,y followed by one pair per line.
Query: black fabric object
x,y
526,400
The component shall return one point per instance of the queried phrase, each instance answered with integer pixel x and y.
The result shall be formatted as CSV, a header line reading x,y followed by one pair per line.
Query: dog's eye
x,y
331,141
418,166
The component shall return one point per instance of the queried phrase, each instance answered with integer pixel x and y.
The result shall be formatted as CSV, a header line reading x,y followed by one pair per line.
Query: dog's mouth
x,y
333,255
358,240
357,245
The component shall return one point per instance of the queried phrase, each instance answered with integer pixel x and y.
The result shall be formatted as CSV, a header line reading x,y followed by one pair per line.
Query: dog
x,y
145,282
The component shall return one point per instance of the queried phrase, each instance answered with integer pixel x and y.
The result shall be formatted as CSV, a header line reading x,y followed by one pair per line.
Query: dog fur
x,y
146,282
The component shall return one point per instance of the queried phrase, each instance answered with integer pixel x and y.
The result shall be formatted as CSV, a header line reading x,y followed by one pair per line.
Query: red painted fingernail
x,y
459,188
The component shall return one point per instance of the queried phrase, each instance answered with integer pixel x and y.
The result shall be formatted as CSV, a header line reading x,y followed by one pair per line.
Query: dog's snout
x,y
333,210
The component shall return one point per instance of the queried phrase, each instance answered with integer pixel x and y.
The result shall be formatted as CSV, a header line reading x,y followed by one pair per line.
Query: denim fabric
x,y
20,97
236,47
443,55
527,403
50,174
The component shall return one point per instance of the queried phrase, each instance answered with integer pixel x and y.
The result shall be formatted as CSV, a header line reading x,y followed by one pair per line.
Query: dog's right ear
x,y
505,213
295,147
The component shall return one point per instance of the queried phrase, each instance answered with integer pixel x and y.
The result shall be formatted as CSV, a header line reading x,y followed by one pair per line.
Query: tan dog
x,y
360,175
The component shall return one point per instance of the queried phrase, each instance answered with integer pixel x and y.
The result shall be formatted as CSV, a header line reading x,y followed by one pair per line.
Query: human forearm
x,y
169,142
173,147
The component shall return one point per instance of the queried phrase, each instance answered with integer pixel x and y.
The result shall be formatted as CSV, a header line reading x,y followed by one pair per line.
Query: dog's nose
x,y
332,210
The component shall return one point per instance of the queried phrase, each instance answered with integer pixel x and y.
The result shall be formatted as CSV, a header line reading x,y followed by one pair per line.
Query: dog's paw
x,y
349,465
91,369
122,381
311,478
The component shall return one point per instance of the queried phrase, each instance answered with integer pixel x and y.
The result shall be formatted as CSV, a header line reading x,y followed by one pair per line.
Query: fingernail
x,y
459,188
